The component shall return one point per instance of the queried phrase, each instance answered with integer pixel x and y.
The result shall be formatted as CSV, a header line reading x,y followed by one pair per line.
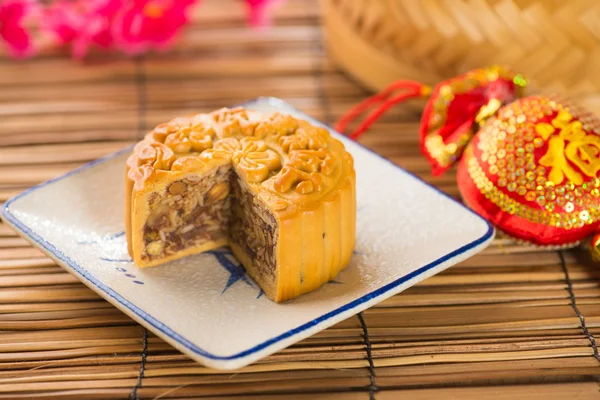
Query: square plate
x,y
205,305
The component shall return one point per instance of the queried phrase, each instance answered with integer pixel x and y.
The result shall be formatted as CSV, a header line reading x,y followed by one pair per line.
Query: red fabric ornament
x,y
455,109
531,166
532,171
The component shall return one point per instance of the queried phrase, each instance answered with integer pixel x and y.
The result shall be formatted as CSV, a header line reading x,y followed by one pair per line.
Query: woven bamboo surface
x,y
512,322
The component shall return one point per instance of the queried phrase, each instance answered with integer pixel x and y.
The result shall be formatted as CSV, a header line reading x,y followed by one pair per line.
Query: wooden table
x,y
512,322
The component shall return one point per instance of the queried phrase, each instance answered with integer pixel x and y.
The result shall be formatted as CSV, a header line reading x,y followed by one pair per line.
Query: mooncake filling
x,y
253,229
212,207
188,213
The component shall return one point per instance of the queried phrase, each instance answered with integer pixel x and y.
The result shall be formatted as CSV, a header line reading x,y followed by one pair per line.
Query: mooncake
x,y
279,191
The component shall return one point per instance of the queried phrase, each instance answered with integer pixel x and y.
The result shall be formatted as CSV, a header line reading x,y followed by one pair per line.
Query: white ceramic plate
x,y
205,305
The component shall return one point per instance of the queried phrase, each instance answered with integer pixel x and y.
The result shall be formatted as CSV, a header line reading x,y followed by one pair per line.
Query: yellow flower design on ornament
x,y
571,145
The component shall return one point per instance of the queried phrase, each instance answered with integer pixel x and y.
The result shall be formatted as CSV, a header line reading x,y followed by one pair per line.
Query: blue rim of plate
x,y
273,101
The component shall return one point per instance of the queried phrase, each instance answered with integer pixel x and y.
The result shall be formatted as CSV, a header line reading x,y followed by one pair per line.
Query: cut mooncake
x,y
279,191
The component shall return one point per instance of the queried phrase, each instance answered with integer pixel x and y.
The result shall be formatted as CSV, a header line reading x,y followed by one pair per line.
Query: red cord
x,y
412,90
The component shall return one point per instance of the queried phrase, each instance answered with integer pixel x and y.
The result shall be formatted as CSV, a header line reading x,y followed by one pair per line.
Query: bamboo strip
x,y
584,391
521,286
36,138
525,303
37,280
6,194
347,383
40,307
13,242
58,153
95,360
314,355
6,231
151,381
157,67
397,334
124,371
58,315
509,298
403,341
26,263
160,362
542,259
183,374
552,391
33,173
279,387
496,378
96,345
32,271
45,294
118,319
27,252
104,332
170,93
457,317
122,119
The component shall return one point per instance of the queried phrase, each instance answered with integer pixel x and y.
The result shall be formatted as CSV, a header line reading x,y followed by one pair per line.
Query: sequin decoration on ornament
x,y
458,107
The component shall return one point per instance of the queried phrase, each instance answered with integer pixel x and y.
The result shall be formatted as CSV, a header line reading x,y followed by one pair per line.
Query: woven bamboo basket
x,y
555,43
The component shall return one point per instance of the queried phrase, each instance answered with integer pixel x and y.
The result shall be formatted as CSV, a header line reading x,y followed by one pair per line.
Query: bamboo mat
x,y
512,322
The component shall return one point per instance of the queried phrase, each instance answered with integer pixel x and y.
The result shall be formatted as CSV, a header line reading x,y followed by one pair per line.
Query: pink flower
x,y
150,24
82,23
258,11
13,14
